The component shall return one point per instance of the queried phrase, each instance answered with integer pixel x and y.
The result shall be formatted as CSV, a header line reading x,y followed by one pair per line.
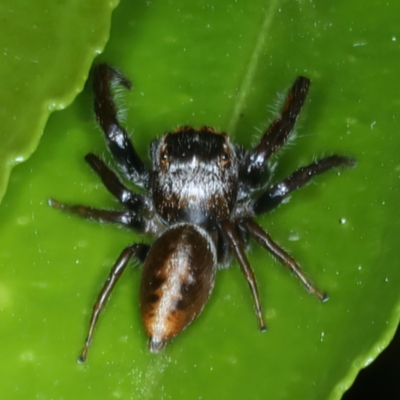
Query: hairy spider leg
x,y
265,240
138,250
277,193
230,234
127,218
126,197
275,136
118,140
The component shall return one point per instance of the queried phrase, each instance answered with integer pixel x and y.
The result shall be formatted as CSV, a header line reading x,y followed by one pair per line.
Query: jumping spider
x,y
203,194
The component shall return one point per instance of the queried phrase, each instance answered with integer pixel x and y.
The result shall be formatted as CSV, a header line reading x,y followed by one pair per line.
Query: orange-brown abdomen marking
x,y
178,277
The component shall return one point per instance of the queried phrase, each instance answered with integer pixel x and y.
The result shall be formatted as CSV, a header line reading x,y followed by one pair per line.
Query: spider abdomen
x,y
177,280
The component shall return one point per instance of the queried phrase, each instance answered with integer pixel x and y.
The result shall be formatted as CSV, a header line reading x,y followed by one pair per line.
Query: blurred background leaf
x,y
221,65
47,48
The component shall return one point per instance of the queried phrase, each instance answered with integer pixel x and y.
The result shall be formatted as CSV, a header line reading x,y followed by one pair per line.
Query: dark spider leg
x,y
129,199
118,140
135,250
276,135
284,258
126,218
228,231
276,193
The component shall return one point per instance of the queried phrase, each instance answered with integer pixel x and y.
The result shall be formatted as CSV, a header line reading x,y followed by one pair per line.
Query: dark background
x,y
380,380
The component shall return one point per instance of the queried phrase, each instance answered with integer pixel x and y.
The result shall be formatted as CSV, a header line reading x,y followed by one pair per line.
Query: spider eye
x,y
163,156
225,156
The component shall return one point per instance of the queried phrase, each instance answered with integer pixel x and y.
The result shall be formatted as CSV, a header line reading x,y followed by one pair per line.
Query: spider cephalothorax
x,y
194,177
203,193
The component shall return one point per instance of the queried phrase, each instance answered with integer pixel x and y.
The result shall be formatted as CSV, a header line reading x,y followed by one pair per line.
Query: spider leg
x,y
118,140
126,217
276,193
230,234
265,240
138,250
126,197
255,164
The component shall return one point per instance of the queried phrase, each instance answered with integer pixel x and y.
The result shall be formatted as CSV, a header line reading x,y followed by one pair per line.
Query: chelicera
x,y
203,193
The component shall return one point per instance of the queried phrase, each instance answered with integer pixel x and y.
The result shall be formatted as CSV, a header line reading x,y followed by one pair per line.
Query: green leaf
x,y
47,48
221,65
